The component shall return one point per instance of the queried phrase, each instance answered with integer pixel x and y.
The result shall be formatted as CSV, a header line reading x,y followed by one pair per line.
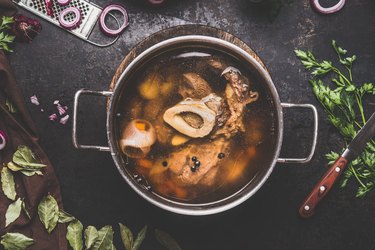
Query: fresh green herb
x,y
13,211
7,184
91,235
343,102
48,211
166,240
15,241
74,235
5,39
64,217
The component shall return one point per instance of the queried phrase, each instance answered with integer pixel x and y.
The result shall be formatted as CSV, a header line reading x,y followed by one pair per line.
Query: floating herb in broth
x,y
212,121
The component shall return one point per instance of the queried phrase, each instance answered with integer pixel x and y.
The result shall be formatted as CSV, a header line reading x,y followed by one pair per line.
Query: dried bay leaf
x,y
31,173
9,104
48,211
25,210
74,235
166,240
16,241
7,183
140,237
104,240
24,157
91,235
13,212
126,237
64,217
14,167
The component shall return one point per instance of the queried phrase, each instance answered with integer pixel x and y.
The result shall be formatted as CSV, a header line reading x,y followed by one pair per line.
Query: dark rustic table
x,y
57,64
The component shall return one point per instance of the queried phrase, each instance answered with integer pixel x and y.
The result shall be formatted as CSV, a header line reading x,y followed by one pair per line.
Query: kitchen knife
x,y
354,149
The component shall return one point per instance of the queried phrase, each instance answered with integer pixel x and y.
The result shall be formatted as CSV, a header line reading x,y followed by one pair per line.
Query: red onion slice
x,y
73,23
110,32
317,7
156,2
3,140
49,7
63,2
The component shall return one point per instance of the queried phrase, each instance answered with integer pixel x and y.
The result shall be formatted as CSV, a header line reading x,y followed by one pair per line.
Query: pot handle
x,y
75,112
315,135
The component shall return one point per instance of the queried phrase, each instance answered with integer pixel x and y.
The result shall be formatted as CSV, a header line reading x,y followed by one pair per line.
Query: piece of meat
x,y
238,95
180,161
229,122
194,86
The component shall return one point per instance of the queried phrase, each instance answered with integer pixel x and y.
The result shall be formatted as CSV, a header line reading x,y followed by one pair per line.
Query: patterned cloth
x,y
21,130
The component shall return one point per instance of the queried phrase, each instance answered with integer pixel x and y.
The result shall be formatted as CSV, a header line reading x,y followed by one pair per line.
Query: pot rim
x,y
182,208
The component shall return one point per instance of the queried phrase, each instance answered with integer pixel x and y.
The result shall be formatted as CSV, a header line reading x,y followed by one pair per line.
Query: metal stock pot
x,y
193,41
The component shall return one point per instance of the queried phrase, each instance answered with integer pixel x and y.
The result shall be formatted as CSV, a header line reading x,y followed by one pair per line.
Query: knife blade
x,y
356,146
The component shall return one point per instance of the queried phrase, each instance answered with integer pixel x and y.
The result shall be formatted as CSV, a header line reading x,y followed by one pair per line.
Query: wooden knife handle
x,y
307,208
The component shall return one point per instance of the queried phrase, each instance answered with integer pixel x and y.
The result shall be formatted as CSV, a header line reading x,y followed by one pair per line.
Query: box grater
x,y
90,14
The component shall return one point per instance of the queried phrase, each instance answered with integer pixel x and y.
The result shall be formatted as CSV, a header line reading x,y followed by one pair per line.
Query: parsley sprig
x,y
6,39
343,102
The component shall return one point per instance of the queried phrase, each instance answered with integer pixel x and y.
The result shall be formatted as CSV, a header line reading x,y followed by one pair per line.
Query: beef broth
x,y
213,122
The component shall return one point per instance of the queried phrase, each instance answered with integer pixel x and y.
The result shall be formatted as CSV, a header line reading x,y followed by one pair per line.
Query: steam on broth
x,y
196,126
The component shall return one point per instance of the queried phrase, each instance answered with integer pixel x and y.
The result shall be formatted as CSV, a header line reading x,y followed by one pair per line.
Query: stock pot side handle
x,y
75,112
315,133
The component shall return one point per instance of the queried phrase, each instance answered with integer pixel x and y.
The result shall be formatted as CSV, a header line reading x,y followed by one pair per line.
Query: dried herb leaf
x,y
24,157
48,212
166,240
15,241
126,237
91,235
104,240
14,167
13,212
25,210
64,217
7,184
140,237
31,173
12,109
74,235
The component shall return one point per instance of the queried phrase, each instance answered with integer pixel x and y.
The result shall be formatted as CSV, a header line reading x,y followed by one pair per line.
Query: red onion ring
x,y
3,139
70,24
63,2
49,7
110,32
317,7
156,2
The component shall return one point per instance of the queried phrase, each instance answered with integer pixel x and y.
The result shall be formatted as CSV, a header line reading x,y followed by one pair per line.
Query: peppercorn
x,y
164,163
194,158
197,163
221,155
193,168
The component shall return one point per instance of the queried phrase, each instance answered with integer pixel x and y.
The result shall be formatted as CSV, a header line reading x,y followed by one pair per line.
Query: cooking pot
x,y
194,41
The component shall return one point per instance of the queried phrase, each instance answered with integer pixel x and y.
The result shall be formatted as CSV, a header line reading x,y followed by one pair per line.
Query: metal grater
x,y
90,14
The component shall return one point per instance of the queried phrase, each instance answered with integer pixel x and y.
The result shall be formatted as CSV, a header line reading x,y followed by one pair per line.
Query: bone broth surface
x,y
195,126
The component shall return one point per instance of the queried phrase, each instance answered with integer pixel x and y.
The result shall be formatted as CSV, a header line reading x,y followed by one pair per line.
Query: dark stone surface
x,y
57,64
